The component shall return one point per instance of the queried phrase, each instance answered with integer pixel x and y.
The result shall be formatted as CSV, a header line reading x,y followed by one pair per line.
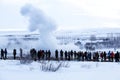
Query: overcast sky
x,y
67,14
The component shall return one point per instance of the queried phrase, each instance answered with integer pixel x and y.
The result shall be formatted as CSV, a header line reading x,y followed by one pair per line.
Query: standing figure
x,y
96,56
43,54
56,54
49,54
61,54
82,56
38,54
85,55
33,54
46,54
21,53
104,56
69,57
65,55
89,56
112,56
2,54
109,53
5,53
71,54
101,56
117,57
14,53
78,56
75,55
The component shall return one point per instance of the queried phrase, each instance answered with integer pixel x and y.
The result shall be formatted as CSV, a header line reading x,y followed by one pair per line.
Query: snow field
x,y
13,70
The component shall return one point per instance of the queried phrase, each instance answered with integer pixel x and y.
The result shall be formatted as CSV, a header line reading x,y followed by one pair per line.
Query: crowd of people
x,y
102,56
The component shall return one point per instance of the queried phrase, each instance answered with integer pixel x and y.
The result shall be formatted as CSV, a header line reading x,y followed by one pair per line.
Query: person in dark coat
x,y
101,56
56,54
96,56
104,56
85,55
33,54
21,53
61,54
109,53
46,54
2,54
71,54
78,56
43,54
75,55
38,55
68,54
5,53
65,55
117,57
89,56
49,54
14,53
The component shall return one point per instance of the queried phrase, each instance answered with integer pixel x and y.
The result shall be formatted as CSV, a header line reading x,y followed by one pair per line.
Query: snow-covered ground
x,y
13,70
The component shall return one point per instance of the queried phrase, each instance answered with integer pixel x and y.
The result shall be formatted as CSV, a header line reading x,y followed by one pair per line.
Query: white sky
x,y
67,14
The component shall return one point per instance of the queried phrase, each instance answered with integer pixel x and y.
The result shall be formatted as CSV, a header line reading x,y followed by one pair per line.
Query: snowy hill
x,y
78,38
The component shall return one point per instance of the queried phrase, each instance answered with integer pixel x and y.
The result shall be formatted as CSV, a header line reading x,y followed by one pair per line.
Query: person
x,y
14,53
75,55
49,54
38,54
46,54
101,56
43,54
65,55
2,54
112,56
71,54
78,56
97,56
117,57
69,57
85,55
109,53
104,56
21,53
56,54
61,54
89,56
33,54
94,56
5,53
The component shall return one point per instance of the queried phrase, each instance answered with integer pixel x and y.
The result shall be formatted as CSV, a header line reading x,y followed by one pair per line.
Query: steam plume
x,y
39,21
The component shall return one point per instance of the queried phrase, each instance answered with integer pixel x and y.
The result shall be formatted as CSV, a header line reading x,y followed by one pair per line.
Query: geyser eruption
x,y
39,21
